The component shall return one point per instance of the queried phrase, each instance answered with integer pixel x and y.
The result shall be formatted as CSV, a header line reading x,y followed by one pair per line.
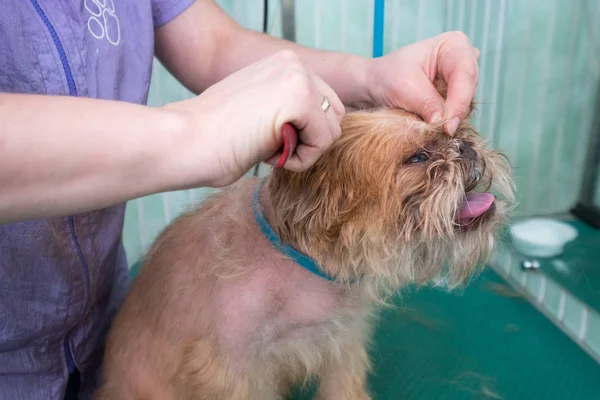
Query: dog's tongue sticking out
x,y
475,205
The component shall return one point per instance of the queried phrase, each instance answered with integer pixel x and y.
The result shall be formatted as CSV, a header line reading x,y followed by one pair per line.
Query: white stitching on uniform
x,y
102,11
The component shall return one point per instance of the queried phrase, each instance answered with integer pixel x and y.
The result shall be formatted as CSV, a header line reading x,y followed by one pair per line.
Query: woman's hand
x,y
237,122
404,78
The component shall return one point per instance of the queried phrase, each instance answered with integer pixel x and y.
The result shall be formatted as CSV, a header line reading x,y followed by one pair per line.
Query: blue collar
x,y
301,259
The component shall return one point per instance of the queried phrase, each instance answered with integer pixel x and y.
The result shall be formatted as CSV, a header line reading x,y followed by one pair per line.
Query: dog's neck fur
x,y
376,269
267,207
263,214
320,257
340,271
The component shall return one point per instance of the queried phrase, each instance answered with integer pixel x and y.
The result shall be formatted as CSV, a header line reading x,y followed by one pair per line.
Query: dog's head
x,y
396,201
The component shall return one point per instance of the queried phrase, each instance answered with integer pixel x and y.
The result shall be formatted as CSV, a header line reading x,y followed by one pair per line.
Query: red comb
x,y
290,140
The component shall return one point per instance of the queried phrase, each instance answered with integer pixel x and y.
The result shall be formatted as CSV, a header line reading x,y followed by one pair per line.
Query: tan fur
x,y
217,313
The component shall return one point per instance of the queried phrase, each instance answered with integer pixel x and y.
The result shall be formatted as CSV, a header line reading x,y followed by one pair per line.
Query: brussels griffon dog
x,y
270,283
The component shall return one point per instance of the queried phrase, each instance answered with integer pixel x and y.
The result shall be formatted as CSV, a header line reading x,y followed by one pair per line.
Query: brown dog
x,y
217,312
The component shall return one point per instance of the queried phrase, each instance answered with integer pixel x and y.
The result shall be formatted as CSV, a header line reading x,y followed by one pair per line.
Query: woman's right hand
x,y
237,122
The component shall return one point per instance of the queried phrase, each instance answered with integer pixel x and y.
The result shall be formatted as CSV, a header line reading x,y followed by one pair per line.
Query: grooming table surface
x,y
481,344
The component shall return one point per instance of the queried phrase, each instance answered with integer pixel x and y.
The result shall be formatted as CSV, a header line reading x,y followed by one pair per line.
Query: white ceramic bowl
x,y
541,237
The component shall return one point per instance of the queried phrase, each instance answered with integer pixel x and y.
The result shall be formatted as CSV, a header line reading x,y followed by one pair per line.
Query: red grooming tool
x,y
290,140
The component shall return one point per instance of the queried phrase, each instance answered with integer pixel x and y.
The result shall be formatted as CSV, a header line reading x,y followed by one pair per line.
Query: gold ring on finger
x,y
326,104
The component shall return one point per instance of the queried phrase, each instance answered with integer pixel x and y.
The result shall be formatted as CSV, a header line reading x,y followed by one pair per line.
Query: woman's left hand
x,y
404,78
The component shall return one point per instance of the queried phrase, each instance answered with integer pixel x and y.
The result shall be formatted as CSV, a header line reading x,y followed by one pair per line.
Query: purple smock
x,y
62,279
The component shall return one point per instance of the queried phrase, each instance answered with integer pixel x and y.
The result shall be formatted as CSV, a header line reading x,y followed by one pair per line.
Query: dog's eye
x,y
418,158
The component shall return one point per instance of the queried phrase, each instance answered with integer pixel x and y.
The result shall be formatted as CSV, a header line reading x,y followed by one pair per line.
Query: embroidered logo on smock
x,y
103,22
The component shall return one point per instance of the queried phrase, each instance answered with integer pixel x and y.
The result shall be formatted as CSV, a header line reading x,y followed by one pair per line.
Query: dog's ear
x,y
442,87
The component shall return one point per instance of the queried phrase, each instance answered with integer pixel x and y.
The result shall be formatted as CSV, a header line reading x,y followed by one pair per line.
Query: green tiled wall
x,y
538,76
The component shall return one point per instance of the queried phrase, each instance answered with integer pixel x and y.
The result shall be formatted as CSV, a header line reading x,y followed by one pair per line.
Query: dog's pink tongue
x,y
475,205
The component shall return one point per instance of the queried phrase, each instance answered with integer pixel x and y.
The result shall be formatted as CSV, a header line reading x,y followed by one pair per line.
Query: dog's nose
x,y
476,175
473,180
466,151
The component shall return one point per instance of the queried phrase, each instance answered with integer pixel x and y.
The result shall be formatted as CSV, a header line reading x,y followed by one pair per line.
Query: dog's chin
x,y
476,211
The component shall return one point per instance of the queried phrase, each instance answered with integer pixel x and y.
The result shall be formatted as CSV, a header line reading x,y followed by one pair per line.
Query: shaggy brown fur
x,y
217,313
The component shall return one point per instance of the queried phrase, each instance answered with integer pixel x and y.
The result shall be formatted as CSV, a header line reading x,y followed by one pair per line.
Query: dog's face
x,y
442,182
395,201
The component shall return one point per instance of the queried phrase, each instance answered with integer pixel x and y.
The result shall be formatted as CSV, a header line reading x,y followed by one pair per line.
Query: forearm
x,y
204,45
64,155
345,73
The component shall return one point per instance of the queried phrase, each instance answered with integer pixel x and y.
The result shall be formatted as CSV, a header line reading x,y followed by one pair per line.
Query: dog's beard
x,y
450,217
366,211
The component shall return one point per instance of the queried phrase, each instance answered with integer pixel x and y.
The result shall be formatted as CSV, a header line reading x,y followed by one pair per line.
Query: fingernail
x,y
436,117
452,125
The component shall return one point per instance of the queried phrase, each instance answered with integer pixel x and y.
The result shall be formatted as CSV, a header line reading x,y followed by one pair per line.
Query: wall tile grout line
x,y
498,62
395,23
567,89
538,131
594,62
420,20
523,279
561,306
542,290
317,23
510,260
344,17
582,146
461,15
449,14
484,56
583,324
472,21
521,91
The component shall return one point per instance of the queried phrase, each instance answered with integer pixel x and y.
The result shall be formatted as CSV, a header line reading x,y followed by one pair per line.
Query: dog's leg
x,y
206,374
344,377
